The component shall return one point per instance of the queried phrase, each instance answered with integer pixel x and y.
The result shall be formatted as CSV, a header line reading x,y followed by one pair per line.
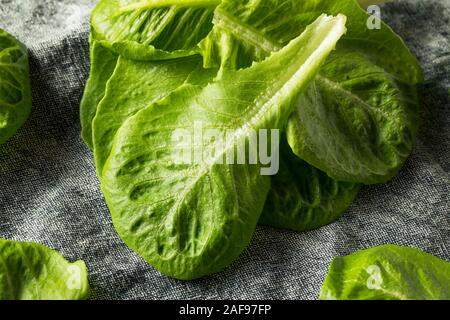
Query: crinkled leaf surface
x,y
355,122
135,85
388,272
103,64
152,29
189,221
30,271
15,90
300,204
139,30
304,198
359,119
301,197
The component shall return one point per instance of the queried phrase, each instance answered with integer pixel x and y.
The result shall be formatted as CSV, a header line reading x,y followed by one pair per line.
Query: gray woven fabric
x,y
49,192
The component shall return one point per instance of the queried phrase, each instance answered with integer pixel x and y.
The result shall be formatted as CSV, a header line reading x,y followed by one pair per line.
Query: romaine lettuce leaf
x,y
133,86
152,29
387,272
103,64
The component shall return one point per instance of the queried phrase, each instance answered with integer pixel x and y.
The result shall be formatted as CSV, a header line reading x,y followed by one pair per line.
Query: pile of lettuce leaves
x,y
349,117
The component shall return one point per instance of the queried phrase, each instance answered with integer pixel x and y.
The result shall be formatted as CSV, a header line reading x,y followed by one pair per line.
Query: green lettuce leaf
x,y
30,271
152,29
15,88
245,32
359,119
135,85
103,64
139,30
387,272
191,220
303,198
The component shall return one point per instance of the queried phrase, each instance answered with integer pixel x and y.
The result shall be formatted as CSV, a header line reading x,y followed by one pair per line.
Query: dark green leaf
x,y
303,198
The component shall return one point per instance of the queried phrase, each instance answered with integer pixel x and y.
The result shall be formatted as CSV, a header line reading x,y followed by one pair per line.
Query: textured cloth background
x,y
49,192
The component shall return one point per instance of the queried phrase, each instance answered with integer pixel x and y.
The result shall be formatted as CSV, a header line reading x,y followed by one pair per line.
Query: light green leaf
x,y
304,198
135,85
145,30
244,32
359,119
387,272
103,63
15,90
30,271
189,221
152,29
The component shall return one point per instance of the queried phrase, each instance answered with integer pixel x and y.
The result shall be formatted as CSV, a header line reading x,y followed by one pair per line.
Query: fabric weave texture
x,y
49,192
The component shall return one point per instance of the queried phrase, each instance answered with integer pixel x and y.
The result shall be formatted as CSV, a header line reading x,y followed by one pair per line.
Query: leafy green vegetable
x,y
143,30
243,33
152,29
15,90
355,122
287,205
388,272
103,63
189,221
359,119
133,86
30,271
303,198
127,82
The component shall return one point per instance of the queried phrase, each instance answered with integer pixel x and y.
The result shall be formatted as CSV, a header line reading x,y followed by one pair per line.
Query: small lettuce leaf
x,y
303,198
30,271
103,64
191,220
15,88
152,29
387,272
359,119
